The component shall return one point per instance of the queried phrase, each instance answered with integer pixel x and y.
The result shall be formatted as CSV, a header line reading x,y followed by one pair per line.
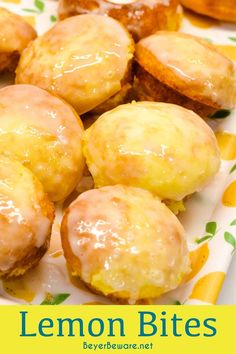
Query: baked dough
x,y
84,59
186,70
124,243
15,35
26,217
161,147
45,135
140,17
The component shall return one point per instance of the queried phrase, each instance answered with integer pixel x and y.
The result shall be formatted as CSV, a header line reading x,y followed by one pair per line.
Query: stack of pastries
x,y
146,146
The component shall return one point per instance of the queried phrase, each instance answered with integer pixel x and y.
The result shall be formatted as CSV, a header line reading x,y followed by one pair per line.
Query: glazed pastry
x,y
186,70
124,243
84,59
15,35
220,9
26,217
140,17
161,147
44,134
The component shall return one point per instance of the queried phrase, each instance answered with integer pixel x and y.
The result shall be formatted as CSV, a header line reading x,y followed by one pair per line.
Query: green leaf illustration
x,y
233,169
233,222
54,299
205,238
223,113
31,11
39,5
53,18
211,227
177,303
230,239
232,39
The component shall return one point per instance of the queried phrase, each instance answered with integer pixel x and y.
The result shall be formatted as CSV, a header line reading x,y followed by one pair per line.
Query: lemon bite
x,y
26,217
84,59
15,35
124,243
45,135
140,17
161,147
186,70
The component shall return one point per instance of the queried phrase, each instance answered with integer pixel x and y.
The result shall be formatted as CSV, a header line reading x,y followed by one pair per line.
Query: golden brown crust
x,y
32,259
25,228
8,61
169,57
35,254
219,9
147,16
165,75
147,88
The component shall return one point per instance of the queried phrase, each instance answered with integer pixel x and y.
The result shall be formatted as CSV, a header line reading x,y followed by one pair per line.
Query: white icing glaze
x,y
23,222
151,145
207,72
82,59
127,241
44,134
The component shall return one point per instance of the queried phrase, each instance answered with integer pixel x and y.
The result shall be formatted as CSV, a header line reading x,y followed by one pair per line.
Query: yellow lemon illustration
x,y
16,288
13,1
229,196
208,287
200,21
228,50
198,258
227,144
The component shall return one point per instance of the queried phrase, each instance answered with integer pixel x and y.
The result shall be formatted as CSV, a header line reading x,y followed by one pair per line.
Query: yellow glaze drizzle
x,y
207,74
24,223
152,146
131,246
44,134
83,59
